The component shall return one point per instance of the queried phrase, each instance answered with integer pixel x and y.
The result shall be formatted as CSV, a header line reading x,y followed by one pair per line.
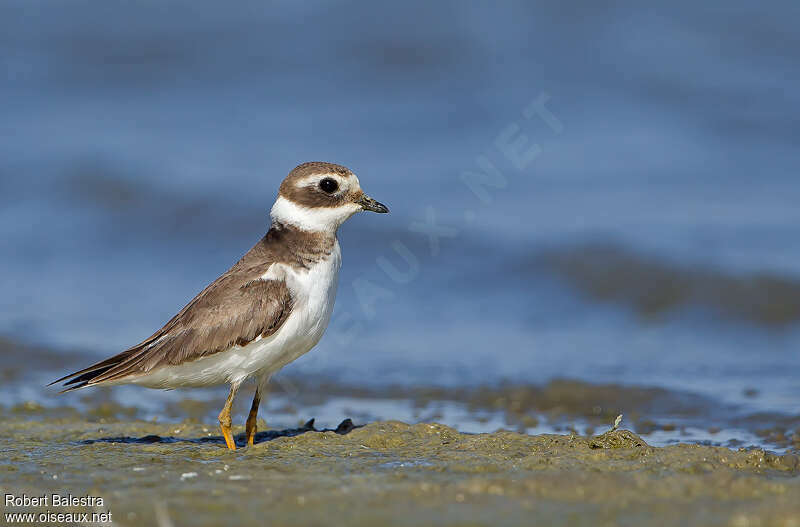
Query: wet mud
x,y
390,473
170,466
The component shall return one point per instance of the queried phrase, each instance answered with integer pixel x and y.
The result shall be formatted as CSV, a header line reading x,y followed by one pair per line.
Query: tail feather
x,y
71,388
85,376
88,377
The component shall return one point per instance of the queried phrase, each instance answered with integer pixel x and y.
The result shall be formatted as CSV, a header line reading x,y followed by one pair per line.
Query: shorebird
x,y
267,310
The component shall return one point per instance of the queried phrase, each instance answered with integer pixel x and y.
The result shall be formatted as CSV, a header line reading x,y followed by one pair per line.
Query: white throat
x,y
319,219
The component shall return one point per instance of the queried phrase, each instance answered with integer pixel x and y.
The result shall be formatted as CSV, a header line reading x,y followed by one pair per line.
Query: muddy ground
x,y
387,473
159,460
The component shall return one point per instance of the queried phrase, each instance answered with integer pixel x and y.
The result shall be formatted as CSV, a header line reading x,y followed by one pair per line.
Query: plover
x,y
270,308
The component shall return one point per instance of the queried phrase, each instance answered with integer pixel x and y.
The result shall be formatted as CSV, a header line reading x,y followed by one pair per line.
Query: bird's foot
x,y
228,435
251,428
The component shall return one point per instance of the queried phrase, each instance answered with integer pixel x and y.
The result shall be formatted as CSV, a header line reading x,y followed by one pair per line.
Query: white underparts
x,y
313,294
276,271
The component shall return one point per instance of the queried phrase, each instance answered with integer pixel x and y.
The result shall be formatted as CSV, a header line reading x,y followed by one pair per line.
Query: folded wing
x,y
234,310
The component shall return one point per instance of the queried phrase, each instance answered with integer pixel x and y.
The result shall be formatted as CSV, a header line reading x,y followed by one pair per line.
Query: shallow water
x,y
649,255
139,160
662,416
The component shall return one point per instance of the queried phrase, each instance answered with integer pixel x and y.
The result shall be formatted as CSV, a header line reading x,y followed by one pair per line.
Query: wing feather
x,y
234,310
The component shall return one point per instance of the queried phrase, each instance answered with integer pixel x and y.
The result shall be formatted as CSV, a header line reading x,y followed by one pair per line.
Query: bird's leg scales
x,y
250,427
225,418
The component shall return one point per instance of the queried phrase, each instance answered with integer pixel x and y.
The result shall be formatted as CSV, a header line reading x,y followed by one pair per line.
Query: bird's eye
x,y
328,185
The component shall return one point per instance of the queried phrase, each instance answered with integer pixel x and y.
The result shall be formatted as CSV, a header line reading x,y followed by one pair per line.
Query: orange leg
x,y
225,418
250,427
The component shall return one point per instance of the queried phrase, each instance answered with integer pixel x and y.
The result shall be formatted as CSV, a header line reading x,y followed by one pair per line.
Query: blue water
x,y
142,146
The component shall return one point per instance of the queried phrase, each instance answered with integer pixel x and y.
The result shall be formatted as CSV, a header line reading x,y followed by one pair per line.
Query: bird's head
x,y
321,196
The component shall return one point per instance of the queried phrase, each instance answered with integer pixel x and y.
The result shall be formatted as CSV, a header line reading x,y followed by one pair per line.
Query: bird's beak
x,y
368,203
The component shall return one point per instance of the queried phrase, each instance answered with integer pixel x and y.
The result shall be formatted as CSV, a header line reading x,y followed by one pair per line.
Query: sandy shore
x,y
390,473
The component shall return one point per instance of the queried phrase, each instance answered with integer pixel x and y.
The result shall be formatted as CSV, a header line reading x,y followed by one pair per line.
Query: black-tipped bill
x,y
368,203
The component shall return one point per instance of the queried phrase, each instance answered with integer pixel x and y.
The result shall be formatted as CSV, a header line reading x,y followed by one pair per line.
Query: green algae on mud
x,y
391,473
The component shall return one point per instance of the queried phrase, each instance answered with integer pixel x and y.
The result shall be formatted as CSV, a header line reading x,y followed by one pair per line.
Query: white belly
x,y
313,292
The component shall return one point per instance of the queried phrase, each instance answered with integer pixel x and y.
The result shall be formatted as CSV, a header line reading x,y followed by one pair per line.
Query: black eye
x,y
328,185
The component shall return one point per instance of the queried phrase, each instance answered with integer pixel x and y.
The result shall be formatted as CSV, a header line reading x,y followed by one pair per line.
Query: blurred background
x,y
639,223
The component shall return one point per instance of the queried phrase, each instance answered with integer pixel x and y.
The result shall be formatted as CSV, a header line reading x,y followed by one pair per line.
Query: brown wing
x,y
235,309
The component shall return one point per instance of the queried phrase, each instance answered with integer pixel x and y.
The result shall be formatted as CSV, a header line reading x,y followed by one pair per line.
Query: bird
x,y
268,309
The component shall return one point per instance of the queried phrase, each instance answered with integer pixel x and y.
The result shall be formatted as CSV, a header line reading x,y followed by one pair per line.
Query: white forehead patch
x,y
314,179
348,183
